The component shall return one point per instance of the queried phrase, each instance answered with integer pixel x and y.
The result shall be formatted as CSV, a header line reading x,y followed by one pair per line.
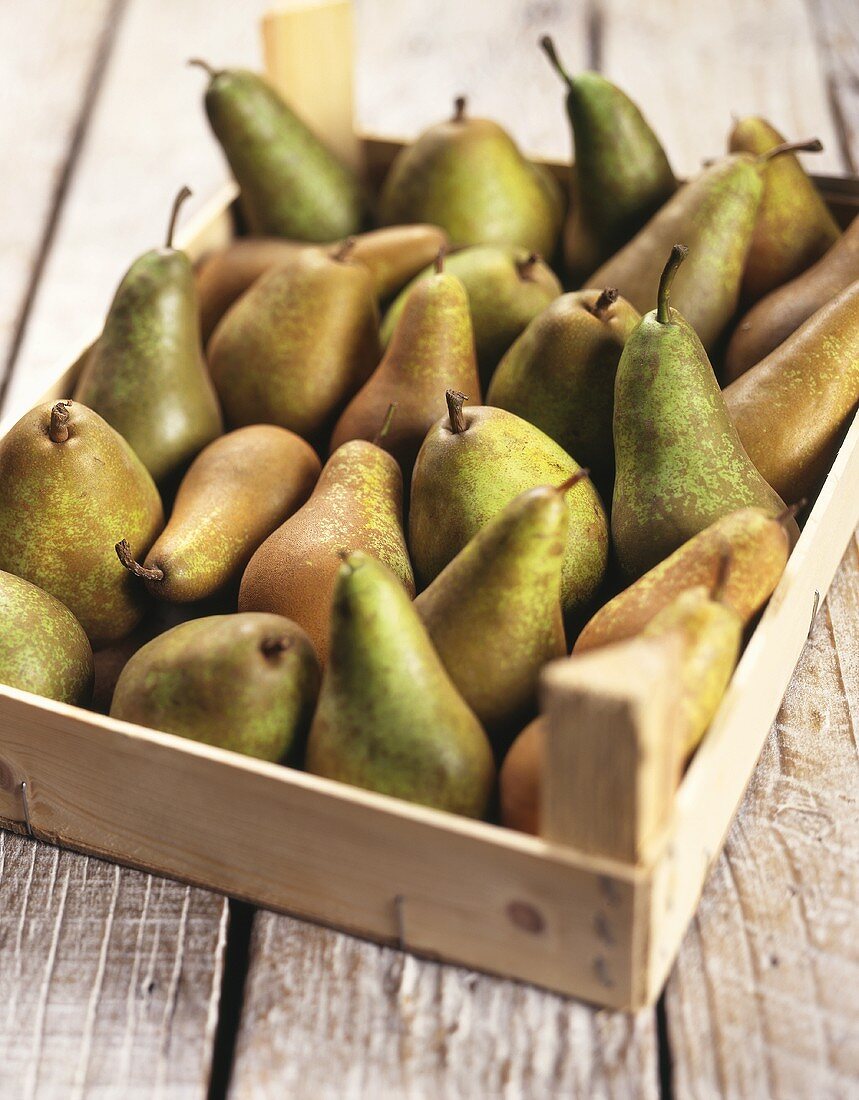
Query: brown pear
x,y
357,505
520,778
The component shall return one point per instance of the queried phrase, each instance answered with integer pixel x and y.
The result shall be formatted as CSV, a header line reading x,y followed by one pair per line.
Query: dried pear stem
x,y
439,259
571,482
548,47
455,401
123,552
59,426
810,145
184,193
459,105
199,63
343,250
386,424
606,299
663,311
524,268
791,512
723,575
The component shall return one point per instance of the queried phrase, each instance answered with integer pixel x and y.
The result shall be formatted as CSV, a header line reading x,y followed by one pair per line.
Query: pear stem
x,y
459,105
524,268
606,299
723,575
386,424
184,193
571,482
123,552
342,251
810,145
663,311
455,401
59,426
791,512
439,260
273,647
548,47
199,63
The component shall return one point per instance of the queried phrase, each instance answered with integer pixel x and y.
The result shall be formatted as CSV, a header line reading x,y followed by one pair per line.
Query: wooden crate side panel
x,y
720,771
469,892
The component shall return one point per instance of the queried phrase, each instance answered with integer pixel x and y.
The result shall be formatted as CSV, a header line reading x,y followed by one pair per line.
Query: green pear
x,y
242,682
69,487
494,612
472,464
43,648
389,718
468,176
715,215
559,374
298,344
680,462
794,226
291,184
621,177
507,288
357,504
237,491
432,347
146,374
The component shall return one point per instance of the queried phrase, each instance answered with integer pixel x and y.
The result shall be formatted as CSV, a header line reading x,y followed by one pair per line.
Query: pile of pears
x,y
334,496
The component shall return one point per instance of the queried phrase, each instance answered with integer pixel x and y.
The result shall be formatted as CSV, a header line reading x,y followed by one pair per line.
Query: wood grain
x,y
838,37
109,979
330,1016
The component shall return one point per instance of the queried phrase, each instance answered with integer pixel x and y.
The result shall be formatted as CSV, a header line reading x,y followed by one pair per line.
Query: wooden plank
x,y
109,979
690,69
838,38
40,126
326,1015
764,999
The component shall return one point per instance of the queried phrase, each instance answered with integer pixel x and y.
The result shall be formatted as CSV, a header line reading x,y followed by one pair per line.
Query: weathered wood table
x,y
116,983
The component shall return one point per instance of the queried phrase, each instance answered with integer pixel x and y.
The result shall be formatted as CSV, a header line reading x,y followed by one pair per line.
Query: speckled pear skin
x,y
680,464
759,546
237,491
432,349
297,346
794,227
622,175
392,255
146,374
461,480
714,215
247,683
779,315
468,176
505,292
791,409
64,505
559,375
520,779
291,184
357,505
389,719
43,647
494,612
711,634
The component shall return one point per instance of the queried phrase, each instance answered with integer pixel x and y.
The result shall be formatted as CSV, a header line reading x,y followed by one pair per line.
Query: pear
x,y
471,465
494,612
298,344
507,288
791,409
794,227
291,184
247,683
468,176
389,719
392,255
432,347
520,779
759,545
357,505
715,215
680,462
621,177
43,648
559,374
779,315
69,487
146,374
237,491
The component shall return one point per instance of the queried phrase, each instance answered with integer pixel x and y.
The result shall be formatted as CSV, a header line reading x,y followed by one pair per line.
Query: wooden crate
x,y
597,907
